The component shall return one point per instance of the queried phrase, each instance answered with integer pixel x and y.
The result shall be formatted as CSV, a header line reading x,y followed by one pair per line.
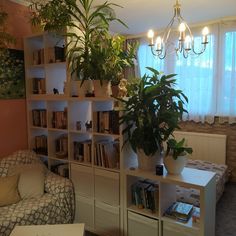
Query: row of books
x,y
38,85
56,54
106,122
145,194
40,144
106,154
59,119
38,57
39,117
62,146
83,151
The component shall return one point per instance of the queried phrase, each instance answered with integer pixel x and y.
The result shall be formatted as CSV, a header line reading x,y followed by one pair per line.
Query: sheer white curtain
x,y
196,77
146,59
226,103
208,80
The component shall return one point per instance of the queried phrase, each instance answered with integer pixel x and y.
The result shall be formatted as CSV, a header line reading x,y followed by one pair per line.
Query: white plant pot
x,y
175,167
148,162
103,90
81,91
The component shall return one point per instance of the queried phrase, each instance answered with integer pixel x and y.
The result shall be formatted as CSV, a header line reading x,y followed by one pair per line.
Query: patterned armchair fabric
x,y
56,206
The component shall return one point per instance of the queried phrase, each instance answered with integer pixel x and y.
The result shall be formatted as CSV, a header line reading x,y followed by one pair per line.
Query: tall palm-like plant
x,y
86,25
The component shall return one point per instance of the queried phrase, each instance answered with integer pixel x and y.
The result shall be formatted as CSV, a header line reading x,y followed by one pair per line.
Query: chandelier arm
x,y
200,52
159,54
168,28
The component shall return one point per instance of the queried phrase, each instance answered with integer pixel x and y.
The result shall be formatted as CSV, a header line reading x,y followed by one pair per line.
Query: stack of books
x,y
180,211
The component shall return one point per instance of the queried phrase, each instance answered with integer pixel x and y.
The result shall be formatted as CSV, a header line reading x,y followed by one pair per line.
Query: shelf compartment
x,y
178,229
83,180
107,185
80,147
84,211
139,225
107,219
79,112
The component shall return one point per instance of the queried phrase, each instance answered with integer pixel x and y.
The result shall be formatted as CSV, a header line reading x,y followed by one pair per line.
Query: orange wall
x,y
13,123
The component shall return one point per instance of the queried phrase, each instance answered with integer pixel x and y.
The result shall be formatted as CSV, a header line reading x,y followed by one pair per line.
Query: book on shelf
x,y
38,57
59,119
196,215
40,144
83,151
106,122
145,195
106,154
56,54
38,86
180,211
61,146
39,117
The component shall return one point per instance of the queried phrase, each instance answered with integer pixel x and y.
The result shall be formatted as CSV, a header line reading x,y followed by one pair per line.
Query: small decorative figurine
x,y
88,125
78,125
55,91
122,88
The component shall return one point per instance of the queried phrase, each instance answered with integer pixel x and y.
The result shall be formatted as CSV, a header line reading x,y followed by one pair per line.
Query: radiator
x,y
207,147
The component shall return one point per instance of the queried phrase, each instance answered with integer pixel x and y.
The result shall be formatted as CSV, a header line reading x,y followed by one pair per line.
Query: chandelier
x,y
185,43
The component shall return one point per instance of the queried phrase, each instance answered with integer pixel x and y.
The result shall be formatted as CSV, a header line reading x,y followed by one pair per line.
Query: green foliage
x,y
153,111
109,58
11,75
177,148
92,53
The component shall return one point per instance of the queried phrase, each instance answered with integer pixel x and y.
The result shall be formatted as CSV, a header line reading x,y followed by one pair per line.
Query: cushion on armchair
x,y
31,180
9,191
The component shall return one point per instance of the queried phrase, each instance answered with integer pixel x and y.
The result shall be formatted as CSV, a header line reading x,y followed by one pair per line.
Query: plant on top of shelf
x,y
87,30
175,156
177,149
110,58
151,113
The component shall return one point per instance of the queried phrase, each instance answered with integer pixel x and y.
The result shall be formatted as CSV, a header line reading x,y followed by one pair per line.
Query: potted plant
x,y
151,114
87,32
175,157
109,58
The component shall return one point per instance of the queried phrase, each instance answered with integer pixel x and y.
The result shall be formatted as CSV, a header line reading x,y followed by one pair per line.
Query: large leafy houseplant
x,y
152,112
89,45
110,57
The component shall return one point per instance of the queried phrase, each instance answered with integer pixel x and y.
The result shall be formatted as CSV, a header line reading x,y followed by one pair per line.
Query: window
x,y
208,80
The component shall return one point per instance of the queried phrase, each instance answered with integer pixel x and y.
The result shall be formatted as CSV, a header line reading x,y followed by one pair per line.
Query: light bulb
x,y
182,27
158,43
150,35
187,42
205,31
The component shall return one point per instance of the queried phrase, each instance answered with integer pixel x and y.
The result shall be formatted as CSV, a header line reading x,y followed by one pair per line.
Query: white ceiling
x,y
141,15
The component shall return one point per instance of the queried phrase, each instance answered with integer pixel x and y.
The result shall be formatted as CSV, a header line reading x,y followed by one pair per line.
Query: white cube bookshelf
x,y
103,194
